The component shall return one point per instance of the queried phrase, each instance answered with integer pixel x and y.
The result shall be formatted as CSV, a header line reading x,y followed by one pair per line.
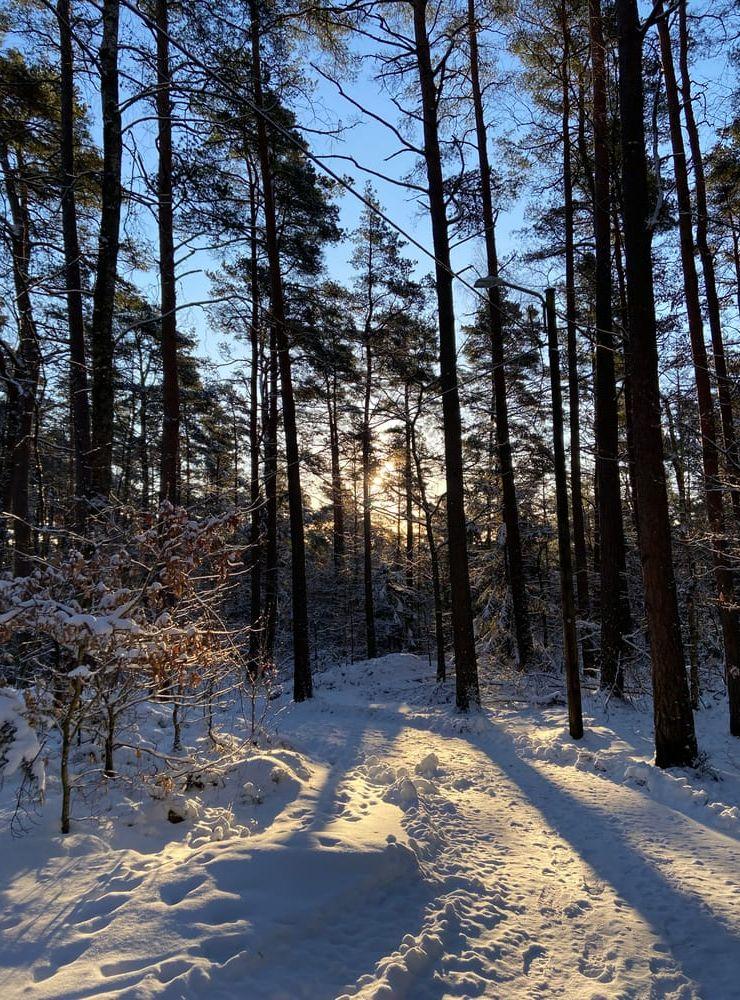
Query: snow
x,y
378,845
19,746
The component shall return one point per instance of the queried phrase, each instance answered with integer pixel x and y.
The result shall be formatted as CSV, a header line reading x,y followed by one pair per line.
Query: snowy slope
x,y
381,846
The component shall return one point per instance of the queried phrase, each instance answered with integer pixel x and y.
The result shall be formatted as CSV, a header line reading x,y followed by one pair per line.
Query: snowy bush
x,y
94,633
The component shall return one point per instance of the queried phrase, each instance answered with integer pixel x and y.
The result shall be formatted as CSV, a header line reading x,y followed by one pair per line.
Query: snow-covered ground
x,y
379,845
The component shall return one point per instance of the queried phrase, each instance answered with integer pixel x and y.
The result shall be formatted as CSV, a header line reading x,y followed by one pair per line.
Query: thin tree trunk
x,y
724,387
574,398
367,538
68,730
271,502
675,739
79,400
27,369
302,683
168,476
466,668
570,634
101,328
514,560
407,483
729,617
337,497
678,459
736,256
144,449
255,548
629,416
613,599
439,634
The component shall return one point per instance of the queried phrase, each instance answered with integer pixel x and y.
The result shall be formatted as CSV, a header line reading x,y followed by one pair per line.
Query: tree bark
x,y
78,390
270,422
574,398
168,472
407,486
675,739
570,634
367,537
613,599
101,328
337,496
255,548
678,456
724,386
514,560
27,369
439,634
729,617
466,668
302,682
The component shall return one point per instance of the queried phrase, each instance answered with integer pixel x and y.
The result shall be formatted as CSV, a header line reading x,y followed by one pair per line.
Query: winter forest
x,y
370,499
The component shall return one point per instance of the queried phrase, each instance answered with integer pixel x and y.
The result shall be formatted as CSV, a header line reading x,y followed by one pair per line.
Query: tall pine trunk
x,y
367,537
613,599
270,421
255,547
302,682
729,617
78,391
574,398
168,472
514,560
675,739
678,456
724,387
463,634
407,488
26,371
101,328
439,635
337,496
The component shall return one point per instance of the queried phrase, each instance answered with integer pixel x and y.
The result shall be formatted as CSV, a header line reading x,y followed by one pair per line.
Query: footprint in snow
x,y
175,892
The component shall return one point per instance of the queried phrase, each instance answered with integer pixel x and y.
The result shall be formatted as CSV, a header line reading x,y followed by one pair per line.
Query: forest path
x,y
549,881
382,846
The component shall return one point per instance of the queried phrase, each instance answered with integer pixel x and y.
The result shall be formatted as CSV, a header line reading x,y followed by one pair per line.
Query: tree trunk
x,y
302,682
337,498
678,458
729,617
27,369
255,548
168,475
675,740
407,487
67,726
514,560
574,398
79,400
367,538
144,449
613,599
466,668
724,386
570,635
271,503
101,330
439,634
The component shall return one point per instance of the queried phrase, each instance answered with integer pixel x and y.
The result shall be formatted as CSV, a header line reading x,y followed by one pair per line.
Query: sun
x,y
382,474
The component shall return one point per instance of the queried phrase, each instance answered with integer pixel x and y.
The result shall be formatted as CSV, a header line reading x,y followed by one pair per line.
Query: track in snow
x,y
423,858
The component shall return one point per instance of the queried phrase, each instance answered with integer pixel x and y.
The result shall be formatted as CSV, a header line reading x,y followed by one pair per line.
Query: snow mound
x,y
429,766
19,747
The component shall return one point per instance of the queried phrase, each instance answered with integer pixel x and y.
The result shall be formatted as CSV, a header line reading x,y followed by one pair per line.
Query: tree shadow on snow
x,y
701,945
